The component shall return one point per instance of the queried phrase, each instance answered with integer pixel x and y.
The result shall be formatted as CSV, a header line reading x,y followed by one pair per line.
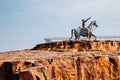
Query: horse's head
x,y
95,23
92,24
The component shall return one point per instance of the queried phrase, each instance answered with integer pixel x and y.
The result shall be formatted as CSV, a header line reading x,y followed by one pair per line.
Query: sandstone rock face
x,y
80,46
6,71
61,62
73,68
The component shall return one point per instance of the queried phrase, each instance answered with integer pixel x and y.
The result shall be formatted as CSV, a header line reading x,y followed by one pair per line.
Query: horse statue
x,y
85,32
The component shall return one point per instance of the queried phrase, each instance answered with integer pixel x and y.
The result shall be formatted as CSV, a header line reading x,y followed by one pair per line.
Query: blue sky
x,y
25,23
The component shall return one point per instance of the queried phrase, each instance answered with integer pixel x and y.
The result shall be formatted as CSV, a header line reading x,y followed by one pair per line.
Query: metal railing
x,y
110,37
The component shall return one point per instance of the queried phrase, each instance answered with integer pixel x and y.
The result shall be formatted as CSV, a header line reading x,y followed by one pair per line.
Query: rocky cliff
x,y
65,60
83,45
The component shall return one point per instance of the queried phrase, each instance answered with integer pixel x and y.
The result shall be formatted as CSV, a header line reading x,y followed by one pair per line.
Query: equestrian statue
x,y
84,31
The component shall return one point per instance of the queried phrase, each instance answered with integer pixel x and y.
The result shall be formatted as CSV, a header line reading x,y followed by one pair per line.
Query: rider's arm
x,y
87,19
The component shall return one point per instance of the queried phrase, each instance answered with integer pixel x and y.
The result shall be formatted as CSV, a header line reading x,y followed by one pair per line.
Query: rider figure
x,y
84,21
85,32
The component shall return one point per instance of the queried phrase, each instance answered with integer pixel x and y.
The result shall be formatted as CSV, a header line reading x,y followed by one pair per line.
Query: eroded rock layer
x,y
76,46
99,61
71,68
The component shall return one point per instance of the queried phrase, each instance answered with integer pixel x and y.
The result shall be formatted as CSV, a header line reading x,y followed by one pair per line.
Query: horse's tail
x,y
71,33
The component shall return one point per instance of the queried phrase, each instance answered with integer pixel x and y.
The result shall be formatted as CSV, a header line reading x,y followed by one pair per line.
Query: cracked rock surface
x,y
65,60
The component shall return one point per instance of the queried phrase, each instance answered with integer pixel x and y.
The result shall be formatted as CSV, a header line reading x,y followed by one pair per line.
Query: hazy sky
x,y
25,23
